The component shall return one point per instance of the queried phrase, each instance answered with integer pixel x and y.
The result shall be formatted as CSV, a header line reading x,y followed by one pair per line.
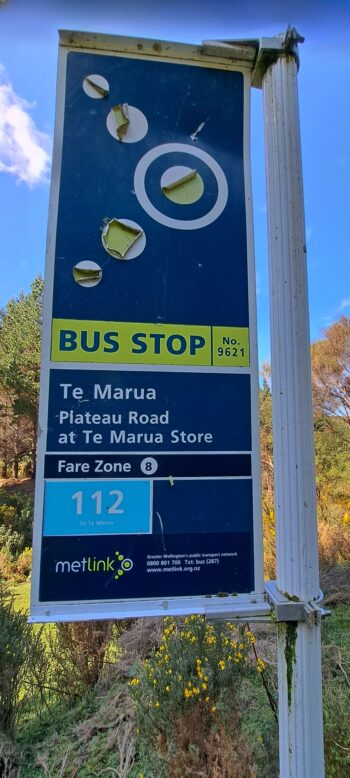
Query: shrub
x,y
21,654
336,697
6,564
16,519
269,532
334,542
77,652
185,695
24,562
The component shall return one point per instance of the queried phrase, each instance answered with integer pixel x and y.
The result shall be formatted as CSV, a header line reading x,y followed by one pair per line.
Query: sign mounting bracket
x,y
286,608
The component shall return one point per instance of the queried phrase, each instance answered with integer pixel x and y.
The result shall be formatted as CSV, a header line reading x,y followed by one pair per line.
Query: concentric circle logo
x,y
162,218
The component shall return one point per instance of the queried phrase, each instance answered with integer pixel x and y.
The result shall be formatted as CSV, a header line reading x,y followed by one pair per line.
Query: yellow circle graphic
x,y
182,185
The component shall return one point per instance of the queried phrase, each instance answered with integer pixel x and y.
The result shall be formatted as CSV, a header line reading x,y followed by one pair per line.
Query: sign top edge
x,y
237,53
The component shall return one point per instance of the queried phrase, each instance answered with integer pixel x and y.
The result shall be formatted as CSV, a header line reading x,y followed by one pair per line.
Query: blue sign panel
x,y
148,451
192,262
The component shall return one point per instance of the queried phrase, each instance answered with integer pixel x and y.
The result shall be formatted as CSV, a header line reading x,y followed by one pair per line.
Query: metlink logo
x,y
117,564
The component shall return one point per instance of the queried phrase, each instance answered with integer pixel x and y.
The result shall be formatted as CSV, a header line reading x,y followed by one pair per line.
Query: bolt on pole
x,y
299,643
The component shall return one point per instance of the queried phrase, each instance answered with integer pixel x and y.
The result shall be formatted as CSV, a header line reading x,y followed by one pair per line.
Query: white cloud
x,y
344,304
24,150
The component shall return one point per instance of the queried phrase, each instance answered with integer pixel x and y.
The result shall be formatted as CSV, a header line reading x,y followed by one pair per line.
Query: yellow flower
x,y
207,699
204,686
157,704
167,688
213,708
154,681
222,664
134,682
260,665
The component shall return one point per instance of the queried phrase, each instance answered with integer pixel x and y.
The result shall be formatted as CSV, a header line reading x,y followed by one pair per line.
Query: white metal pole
x,y
299,644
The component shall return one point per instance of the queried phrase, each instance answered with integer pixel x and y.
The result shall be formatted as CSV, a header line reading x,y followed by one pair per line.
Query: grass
x,y
21,592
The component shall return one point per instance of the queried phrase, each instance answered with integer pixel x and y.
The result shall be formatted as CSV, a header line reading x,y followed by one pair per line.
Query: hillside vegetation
x,y
173,697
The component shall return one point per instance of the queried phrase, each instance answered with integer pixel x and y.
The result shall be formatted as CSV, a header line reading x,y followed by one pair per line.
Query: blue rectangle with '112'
x,y
97,507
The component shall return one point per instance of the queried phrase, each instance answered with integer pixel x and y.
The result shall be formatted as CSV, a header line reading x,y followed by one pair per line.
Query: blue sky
x,y
28,56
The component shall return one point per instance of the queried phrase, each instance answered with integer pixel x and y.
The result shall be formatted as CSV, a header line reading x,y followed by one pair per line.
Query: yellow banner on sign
x,y
130,343
148,344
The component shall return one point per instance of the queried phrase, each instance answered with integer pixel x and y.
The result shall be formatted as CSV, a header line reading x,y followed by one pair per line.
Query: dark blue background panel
x,y
130,466
76,568
196,276
214,404
202,506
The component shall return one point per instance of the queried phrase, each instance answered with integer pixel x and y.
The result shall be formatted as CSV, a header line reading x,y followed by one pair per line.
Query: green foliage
x,y
336,693
194,665
331,371
77,653
20,344
24,562
7,568
21,660
16,518
266,444
90,738
332,447
186,699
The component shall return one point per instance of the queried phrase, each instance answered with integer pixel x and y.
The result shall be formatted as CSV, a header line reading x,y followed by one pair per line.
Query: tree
x,y
266,441
20,346
332,446
331,371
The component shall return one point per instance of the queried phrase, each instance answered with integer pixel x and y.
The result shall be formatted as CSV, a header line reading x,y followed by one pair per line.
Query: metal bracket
x,y
286,608
256,55
270,49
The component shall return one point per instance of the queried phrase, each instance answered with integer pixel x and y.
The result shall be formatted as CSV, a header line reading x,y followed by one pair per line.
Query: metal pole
x,y
299,643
